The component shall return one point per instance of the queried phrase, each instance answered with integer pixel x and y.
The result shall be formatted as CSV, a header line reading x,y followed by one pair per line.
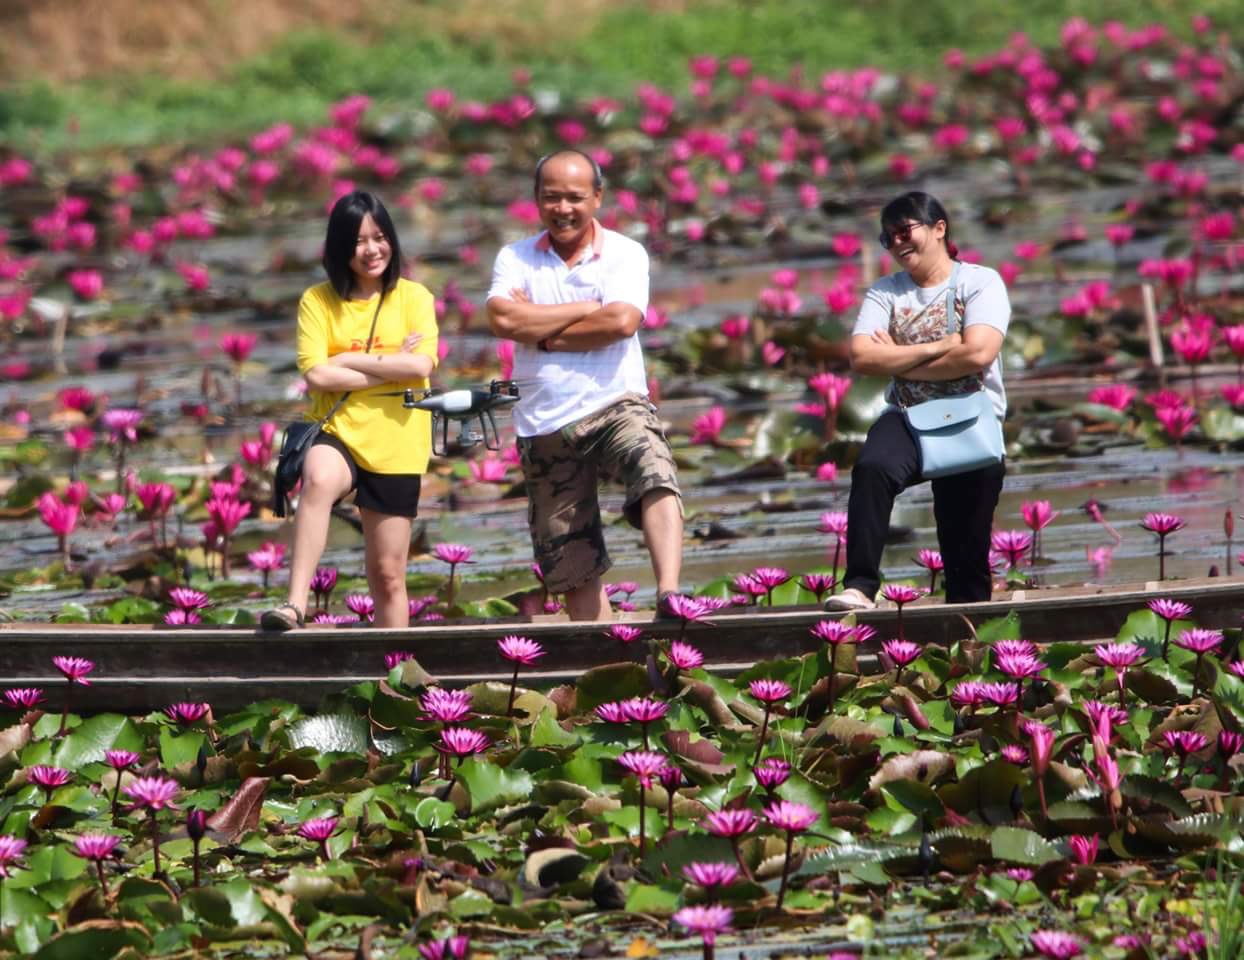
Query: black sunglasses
x,y
900,235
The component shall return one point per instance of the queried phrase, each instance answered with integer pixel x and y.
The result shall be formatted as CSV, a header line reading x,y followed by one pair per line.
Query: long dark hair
x,y
343,234
920,207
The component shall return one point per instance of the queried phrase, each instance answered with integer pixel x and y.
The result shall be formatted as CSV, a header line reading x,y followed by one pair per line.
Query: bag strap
x,y
953,322
367,349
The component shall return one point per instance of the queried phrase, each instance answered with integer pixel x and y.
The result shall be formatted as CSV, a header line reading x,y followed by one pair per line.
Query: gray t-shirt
x,y
913,314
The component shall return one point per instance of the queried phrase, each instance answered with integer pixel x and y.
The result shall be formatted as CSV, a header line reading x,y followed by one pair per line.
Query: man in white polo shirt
x,y
572,299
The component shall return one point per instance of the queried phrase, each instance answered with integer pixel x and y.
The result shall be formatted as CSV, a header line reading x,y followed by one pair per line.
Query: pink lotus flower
x,y
710,875
1200,642
792,818
1117,396
362,605
1037,514
1176,421
818,583
446,706
684,656
181,618
1042,750
707,427
901,652
121,759
86,284
644,710
152,793
900,593
1019,666
612,711
11,850
451,948
1163,524
462,742
74,669
644,765
238,346
770,578
769,691
453,554
48,778
707,921
789,816
1012,544
932,561
623,633
1120,656
968,693
196,277
185,598
24,698
771,773
320,830
999,694
730,823
1184,742
227,514
95,846
59,517
1056,945
1084,849
521,650
185,714
1014,753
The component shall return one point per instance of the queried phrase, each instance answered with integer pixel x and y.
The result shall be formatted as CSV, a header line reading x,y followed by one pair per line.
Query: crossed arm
x,y
946,359
356,370
572,327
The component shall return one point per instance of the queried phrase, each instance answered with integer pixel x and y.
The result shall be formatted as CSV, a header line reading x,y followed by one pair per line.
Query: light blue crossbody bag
x,y
955,434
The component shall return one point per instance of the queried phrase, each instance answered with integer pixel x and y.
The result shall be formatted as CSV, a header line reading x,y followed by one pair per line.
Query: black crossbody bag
x,y
299,436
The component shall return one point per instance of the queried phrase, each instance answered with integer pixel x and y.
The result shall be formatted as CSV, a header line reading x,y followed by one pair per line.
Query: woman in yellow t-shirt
x,y
372,444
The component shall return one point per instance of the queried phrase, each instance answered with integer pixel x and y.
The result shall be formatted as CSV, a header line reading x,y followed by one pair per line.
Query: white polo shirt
x,y
561,387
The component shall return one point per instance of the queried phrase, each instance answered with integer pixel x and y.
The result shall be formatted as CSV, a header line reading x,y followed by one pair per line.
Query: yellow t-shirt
x,y
383,436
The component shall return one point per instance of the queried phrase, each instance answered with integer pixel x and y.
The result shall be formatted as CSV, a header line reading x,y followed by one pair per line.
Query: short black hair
x,y
343,234
598,178
922,208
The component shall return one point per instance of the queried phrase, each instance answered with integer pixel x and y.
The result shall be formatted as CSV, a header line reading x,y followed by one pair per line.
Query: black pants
x,y
963,506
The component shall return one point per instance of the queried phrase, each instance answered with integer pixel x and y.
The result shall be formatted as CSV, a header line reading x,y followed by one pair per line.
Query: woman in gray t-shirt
x,y
902,333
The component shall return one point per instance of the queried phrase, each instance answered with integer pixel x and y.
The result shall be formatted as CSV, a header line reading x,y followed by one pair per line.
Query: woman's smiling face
x,y
372,252
912,242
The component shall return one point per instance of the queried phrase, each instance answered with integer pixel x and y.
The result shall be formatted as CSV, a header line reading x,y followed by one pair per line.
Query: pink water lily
x,y
835,522
1012,544
771,773
1169,611
1163,524
791,818
932,561
446,706
732,824
153,794
1037,514
11,851
451,948
462,742
453,554
901,653
48,778
75,670
707,427
522,651
707,921
1084,849
185,714
684,656
61,518
818,584
710,875
97,847
1200,642
320,830
1042,748
23,698
768,692
770,578
1120,656
1056,945
646,767
623,633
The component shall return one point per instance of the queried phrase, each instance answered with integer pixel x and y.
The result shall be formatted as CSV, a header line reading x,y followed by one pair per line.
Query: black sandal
x,y
282,618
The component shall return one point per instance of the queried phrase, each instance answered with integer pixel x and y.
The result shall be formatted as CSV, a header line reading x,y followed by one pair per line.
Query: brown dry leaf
x,y
241,814
923,766
13,738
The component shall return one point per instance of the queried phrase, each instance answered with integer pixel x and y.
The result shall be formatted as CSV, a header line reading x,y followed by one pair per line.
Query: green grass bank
x,y
607,50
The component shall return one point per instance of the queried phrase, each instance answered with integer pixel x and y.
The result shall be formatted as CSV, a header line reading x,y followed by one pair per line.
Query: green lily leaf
x,y
92,737
331,733
1017,845
492,786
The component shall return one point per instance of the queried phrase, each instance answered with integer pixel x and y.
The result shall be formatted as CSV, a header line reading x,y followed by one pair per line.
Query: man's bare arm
x,y
516,318
611,323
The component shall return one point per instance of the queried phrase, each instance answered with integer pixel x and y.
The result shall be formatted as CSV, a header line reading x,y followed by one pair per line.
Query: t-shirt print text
x,y
357,345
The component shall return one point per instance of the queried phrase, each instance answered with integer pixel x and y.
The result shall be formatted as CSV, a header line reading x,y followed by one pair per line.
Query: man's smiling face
x,y
568,201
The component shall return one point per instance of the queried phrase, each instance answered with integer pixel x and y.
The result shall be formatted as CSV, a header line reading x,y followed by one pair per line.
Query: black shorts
x,y
393,494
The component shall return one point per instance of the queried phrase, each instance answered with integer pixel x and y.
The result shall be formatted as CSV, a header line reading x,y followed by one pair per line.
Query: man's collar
x,y
543,243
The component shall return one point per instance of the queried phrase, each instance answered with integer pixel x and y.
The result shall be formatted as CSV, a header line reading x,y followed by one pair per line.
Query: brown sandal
x,y
284,617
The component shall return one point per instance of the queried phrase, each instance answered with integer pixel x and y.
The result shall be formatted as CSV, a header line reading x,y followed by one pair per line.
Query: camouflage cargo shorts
x,y
623,442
